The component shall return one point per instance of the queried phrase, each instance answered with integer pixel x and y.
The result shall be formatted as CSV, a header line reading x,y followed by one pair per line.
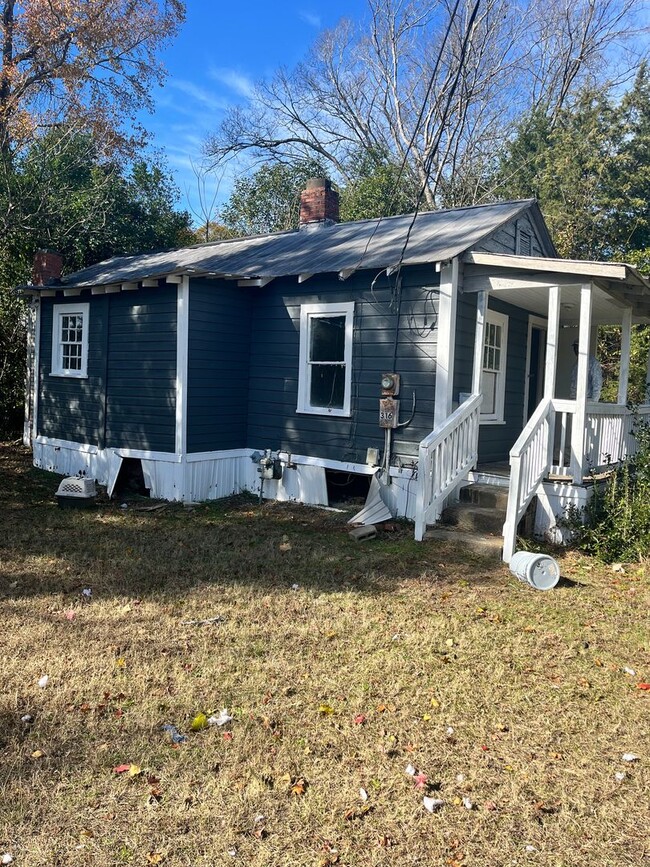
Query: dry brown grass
x,y
417,638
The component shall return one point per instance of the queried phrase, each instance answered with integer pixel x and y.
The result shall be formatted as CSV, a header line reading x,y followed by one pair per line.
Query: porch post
x,y
580,414
552,336
446,341
479,340
626,339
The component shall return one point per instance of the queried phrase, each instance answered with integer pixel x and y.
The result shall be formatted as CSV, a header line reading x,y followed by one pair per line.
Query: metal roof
x,y
435,236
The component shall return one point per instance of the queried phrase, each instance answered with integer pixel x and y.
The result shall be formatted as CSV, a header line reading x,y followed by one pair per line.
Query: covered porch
x,y
563,439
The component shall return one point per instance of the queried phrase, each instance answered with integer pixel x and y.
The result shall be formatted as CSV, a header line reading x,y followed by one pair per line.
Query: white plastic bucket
x,y
538,570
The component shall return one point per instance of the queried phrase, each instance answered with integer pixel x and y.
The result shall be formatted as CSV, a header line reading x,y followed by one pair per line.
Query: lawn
x,y
344,665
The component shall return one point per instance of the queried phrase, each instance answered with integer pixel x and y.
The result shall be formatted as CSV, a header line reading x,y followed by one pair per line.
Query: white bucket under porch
x,y
564,442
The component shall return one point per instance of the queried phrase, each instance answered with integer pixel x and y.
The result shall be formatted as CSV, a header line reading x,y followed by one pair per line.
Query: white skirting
x,y
213,475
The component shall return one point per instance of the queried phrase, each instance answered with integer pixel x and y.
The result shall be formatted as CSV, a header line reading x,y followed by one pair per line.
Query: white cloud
x,y
310,18
203,97
236,81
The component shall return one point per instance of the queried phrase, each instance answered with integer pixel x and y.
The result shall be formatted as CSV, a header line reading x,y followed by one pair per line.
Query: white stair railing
x,y
446,456
530,461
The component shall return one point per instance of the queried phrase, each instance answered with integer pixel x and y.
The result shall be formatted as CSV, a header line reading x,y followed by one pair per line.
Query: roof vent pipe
x,y
46,268
319,204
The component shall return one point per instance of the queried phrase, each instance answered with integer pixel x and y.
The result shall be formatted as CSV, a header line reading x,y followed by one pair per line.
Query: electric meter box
x,y
390,384
388,412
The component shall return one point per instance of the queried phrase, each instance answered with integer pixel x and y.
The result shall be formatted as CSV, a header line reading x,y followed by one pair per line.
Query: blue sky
x,y
222,49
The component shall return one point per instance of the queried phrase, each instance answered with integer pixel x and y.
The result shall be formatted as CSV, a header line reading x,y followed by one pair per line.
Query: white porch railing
x,y
445,458
544,448
530,461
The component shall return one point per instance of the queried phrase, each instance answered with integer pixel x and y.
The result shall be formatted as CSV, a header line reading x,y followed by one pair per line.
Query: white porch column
x,y
446,341
626,340
479,340
552,340
580,415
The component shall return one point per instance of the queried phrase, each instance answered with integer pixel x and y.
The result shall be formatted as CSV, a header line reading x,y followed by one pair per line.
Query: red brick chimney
x,y
47,267
319,204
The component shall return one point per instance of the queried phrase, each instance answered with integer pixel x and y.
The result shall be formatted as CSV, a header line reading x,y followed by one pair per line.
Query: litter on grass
x,y
87,592
199,722
208,621
7,858
630,757
619,776
43,681
28,718
176,736
220,720
410,770
432,804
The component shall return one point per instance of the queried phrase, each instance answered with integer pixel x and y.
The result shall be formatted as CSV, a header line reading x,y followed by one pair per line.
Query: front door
x,y
535,362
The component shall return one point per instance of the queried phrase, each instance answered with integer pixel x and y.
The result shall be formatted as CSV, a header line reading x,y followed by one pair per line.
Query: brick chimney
x,y
319,204
47,267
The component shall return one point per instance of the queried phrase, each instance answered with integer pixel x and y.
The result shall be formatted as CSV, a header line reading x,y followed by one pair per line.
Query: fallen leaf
x,y
426,717
134,770
325,709
299,787
435,702
120,662
155,857
38,754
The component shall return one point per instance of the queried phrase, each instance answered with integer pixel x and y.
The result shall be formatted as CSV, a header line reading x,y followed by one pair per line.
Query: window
x,y
70,340
493,377
325,377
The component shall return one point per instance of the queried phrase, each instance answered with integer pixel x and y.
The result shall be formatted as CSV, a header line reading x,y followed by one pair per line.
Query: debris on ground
x,y
199,722
630,757
7,858
208,621
43,681
87,593
220,720
362,534
176,736
432,804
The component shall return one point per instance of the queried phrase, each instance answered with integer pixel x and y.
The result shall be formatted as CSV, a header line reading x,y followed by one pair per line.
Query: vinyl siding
x,y
71,408
495,440
274,368
141,370
504,240
218,366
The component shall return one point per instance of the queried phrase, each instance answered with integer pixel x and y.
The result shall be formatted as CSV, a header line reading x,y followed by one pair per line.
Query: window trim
x,y
493,317
58,311
320,311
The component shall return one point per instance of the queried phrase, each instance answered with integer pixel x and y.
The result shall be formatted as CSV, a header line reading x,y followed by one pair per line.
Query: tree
x,y
76,60
269,199
434,85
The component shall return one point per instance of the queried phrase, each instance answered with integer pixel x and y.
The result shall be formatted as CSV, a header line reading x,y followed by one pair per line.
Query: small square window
x,y
70,340
325,375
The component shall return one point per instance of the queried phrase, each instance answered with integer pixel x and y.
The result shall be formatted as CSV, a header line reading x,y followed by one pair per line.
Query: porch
x,y
563,441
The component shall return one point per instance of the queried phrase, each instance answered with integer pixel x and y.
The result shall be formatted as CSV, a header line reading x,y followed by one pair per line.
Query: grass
x,y
419,639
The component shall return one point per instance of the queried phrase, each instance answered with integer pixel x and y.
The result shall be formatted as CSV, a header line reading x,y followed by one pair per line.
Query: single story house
x,y
429,349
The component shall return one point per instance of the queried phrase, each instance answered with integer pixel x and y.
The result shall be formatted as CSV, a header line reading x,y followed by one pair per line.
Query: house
x,y
434,347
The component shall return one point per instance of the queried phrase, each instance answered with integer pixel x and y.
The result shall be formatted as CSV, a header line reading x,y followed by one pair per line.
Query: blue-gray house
x,y
434,347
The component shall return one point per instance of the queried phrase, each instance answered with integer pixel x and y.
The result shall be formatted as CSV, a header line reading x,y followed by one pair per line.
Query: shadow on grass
x,y
271,546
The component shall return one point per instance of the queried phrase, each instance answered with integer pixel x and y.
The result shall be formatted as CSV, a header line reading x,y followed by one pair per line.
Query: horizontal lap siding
x,y
218,361
272,418
70,408
504,240
141,370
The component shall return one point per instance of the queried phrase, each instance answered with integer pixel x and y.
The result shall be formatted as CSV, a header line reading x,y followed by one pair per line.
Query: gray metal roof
x,y
436,236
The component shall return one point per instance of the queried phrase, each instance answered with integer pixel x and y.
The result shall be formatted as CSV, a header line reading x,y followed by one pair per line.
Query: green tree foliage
x,y
269,199
377,187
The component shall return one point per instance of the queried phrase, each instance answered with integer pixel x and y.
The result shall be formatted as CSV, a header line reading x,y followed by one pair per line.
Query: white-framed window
x,y
325,375
70,340
493,376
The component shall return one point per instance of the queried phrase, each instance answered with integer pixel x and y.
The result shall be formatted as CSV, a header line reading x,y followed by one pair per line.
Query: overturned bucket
x,y
538,570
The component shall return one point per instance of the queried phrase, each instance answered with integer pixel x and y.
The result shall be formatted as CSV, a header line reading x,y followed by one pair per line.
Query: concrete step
x,y
471,518
485,546
492,496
